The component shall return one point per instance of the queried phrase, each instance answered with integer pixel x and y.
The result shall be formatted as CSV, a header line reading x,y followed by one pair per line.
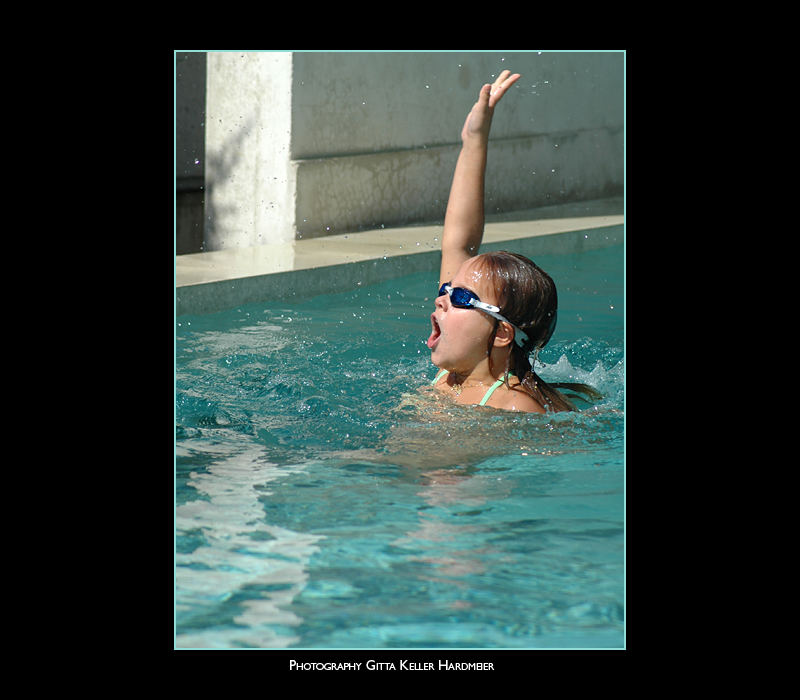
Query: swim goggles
x,y
465,299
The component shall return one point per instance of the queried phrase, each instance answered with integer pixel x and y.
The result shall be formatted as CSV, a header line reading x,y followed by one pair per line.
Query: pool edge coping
x,y
318,265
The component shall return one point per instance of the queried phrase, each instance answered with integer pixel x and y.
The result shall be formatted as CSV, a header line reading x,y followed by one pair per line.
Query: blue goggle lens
x,y
459,297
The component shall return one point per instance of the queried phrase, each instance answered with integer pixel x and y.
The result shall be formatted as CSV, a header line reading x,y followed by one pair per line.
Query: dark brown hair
x,y
527,297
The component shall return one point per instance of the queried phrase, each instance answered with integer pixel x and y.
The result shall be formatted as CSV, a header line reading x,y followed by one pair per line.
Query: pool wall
x,y
219,280
277,146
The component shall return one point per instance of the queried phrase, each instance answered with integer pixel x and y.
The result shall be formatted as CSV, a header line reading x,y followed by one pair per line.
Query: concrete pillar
x,y
249,177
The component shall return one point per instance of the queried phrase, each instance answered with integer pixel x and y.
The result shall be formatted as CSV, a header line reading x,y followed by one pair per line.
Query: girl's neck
x,y
483,374
469,379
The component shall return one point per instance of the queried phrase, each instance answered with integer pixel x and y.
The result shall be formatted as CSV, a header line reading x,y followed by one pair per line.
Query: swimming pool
x,y
326,498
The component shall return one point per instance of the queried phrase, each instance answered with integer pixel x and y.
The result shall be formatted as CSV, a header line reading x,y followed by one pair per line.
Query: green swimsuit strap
x,y
439,376
494,386
491,391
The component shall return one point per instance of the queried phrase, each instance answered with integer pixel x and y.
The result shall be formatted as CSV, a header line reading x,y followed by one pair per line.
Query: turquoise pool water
x,y
326,498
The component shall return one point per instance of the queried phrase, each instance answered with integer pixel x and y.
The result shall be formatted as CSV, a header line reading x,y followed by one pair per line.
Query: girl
x,y
494,311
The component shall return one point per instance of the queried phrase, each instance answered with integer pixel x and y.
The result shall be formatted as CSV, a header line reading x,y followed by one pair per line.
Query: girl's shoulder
x,y
515,398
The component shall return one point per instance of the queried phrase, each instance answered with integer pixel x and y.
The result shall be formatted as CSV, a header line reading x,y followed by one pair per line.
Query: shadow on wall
x,y
220,172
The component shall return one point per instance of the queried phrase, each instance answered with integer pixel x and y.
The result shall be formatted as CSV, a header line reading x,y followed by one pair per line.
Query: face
x,y
460,337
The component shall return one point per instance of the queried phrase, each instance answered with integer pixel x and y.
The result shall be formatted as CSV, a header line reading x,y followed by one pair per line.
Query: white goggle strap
x,y
520,337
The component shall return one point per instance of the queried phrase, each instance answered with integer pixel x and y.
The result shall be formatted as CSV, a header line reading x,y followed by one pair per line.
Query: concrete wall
x,y
310,144
190,109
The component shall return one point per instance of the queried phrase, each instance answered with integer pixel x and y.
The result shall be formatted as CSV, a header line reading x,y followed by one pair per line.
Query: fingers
x,y
497,89
500,78
504,77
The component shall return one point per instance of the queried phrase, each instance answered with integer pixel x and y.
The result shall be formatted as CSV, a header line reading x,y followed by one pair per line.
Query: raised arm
x,y
463,221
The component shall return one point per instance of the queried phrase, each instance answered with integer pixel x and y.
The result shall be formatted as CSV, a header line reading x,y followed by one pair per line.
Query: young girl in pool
x,y
494,311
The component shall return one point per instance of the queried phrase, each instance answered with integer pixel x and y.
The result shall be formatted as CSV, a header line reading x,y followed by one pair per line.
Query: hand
x,y
479,120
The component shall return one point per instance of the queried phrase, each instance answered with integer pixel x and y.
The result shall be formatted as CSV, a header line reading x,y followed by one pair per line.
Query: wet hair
x,y
527,297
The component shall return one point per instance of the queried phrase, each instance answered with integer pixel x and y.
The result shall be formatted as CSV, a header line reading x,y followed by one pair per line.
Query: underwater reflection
x,y
458,458
442,541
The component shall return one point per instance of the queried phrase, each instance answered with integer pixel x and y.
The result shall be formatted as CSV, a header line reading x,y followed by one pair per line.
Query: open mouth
x,y
436,332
